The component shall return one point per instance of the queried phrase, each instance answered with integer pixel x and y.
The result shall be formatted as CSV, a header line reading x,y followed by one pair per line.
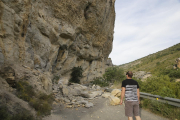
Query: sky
x,y
143,27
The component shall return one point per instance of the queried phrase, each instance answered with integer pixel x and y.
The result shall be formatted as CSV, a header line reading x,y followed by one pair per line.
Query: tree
x,y
113,74
76,74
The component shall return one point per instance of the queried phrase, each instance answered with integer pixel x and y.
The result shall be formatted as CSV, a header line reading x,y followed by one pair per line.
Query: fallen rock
x,y
96,87
8,73
108,90
85,94
116,93
88,105
95,94
114,100
65,91
83,102
106,95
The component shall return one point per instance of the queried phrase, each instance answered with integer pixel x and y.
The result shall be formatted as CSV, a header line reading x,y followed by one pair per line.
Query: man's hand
x,y
121,102
122,95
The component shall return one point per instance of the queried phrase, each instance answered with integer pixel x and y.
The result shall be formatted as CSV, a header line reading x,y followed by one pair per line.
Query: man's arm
x,y
138,94
122,95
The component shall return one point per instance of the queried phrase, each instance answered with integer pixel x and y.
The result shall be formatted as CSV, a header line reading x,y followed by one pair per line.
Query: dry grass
x,y
117,85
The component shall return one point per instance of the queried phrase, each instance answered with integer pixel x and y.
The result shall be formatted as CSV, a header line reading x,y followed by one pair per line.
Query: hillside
x,y
156,62
157,74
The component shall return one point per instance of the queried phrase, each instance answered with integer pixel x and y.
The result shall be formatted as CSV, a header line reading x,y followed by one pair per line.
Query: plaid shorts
x,y
132,108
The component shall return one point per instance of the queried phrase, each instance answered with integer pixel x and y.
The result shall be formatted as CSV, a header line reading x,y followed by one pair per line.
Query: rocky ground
x,y
91,103
101,110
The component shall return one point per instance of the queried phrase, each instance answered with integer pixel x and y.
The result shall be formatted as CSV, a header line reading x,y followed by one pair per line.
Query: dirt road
x,y
100,111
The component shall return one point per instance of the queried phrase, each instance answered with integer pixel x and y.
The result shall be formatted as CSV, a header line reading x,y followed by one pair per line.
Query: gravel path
x,y
100,111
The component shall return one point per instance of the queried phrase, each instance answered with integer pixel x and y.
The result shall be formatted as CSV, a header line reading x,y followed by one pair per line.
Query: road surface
x,y
100,111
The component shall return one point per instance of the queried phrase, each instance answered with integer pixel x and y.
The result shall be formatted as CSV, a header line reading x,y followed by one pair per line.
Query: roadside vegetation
x,y
162,109
164,86
112,75
163,80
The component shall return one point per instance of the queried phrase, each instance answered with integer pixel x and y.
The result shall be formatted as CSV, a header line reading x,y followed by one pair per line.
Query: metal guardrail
x,y
168,100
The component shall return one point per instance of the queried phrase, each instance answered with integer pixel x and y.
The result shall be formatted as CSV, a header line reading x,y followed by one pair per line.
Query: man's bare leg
x,y
138,118
130,118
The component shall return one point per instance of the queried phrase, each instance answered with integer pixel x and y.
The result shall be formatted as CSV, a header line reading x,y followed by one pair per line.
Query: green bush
x,y
163,109
158,63
113,74
173,73
25,91
6,115
165,91
41,106
161,85
76,74
41,102
100,81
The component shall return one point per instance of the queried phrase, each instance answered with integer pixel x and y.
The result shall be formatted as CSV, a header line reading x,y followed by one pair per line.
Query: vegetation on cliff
x,y
76,74
39,101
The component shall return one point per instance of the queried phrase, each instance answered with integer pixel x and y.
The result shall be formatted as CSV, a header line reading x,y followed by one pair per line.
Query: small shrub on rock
x,y
5,114
55,79
100,81
76,74
41,102
25,91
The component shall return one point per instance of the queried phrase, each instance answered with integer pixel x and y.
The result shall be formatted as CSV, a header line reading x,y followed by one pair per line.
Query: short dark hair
x,y
130,74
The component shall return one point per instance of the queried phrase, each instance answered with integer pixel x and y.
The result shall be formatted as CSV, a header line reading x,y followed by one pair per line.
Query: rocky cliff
x,y
40,39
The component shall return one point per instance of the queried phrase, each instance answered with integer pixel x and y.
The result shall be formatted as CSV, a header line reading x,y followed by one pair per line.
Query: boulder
x,y
95,94
85,94
8,73
116,93
106,95
178,62
88,105
75,92
91,95
65,91
79,87
143,75
14,104
114,100
96,87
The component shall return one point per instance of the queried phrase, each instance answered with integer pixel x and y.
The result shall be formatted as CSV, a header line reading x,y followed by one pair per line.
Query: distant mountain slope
x,y
155,62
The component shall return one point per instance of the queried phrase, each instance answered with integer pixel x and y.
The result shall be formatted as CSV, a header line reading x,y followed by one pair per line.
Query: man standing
x,y
130,89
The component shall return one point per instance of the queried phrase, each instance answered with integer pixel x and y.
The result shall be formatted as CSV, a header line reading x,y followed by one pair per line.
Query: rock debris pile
x,y
76,95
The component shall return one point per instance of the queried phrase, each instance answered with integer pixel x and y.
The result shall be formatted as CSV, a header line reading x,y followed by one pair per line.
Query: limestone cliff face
x,y
53,36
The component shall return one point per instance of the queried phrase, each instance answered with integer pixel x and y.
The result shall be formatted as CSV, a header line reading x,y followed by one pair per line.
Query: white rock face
x,y
52,36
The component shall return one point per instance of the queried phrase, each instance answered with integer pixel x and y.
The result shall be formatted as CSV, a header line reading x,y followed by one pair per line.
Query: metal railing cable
x,y
167,100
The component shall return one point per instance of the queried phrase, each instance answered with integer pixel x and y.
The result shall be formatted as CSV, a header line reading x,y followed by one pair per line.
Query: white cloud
x,y
144,27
